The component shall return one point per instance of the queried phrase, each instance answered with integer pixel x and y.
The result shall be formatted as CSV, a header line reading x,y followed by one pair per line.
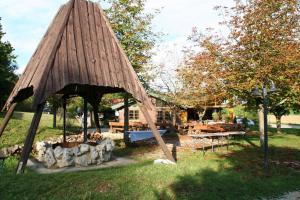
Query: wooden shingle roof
x,y
79,49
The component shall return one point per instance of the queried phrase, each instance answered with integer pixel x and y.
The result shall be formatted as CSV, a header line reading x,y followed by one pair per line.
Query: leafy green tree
x,y
7,67
132,27
263,47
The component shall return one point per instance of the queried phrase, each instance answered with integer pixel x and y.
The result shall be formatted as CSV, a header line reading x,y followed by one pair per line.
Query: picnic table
x,y
224,136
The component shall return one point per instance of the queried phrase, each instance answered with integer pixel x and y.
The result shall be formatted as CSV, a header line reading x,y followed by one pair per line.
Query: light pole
x,y
264,95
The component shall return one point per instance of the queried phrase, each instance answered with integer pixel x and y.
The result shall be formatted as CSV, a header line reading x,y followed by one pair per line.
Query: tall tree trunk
x,y
54,117
278,123
174,115
96,118
261,124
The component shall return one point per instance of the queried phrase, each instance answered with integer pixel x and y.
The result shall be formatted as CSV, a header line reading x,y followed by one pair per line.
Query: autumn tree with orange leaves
x,y
202,73
263,47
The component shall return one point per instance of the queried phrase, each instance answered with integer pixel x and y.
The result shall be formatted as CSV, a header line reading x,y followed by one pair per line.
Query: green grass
x,y
236,174
17,128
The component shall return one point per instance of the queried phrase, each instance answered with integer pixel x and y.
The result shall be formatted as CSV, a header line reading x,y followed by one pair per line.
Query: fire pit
x,y
60,155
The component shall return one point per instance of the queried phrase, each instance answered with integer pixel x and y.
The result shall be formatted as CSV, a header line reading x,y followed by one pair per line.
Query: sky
x,y
26,21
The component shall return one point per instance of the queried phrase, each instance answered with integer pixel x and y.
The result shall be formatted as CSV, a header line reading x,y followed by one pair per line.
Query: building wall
x,y
141,116
162,110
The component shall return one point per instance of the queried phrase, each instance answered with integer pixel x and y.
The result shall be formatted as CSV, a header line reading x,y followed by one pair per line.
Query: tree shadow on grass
x,y
147,146
240,175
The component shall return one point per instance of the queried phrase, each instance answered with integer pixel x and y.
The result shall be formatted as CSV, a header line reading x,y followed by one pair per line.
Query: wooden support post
x,y
7,118
30,138
156,133
84,120
64,118
126,120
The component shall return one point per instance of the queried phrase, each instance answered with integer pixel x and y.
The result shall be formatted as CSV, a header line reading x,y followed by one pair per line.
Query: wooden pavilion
x,y
78,56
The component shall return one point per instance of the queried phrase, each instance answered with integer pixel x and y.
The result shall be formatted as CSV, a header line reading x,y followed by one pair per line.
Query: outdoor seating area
x,y
222,139
115,127
199,128
147,100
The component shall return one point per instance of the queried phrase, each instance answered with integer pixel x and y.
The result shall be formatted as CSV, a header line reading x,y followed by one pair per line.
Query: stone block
x,y
49,158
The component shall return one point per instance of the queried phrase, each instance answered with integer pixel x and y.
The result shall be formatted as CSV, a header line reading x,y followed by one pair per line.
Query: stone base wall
x,y
81,155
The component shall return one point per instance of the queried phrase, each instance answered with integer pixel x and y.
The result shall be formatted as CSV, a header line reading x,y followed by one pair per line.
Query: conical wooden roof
x,y
79,48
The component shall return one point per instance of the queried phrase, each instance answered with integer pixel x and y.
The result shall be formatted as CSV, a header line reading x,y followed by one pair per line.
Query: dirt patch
x,y
103,187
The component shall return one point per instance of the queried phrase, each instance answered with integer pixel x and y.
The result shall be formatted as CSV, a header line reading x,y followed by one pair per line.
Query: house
x,y
162,114
167,112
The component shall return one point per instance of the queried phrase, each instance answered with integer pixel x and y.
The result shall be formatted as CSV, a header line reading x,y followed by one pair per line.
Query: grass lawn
x,y
236,174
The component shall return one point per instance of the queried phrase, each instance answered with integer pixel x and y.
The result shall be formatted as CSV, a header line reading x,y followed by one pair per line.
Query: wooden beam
x,y
84,119
7,117
64,117
30,138
156,133
126,119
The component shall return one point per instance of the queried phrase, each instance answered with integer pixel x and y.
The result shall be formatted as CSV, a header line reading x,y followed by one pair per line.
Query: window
x,y
159,116
133,114
168,116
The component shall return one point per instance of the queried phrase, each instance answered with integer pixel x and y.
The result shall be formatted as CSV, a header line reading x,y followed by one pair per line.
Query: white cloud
x,y
25,23
177,17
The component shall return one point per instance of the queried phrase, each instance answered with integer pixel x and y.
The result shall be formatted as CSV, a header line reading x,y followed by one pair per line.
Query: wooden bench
x,y
199,128
115,127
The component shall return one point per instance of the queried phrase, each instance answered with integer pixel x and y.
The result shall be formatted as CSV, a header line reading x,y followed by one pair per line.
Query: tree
x,y
7,67
55,102
132,27
263,47
167,85
203,72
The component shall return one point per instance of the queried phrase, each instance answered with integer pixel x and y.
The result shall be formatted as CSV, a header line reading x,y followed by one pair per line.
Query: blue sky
x,y
26,21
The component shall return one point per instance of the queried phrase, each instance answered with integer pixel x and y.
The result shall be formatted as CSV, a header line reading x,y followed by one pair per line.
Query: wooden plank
x,y
63,60
156,133
97,59
7,117
74,67
49,84
117,64
51,44
48,61
138,91
30,138
71,52
56,73
37,56
108,51
87,47
85,79
30,68
101,48
129,67
127,83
